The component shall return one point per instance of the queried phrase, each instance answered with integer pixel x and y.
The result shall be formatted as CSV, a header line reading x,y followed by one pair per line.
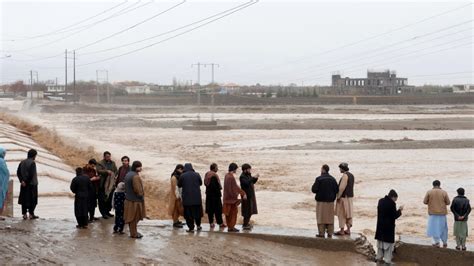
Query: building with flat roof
x,y
377,82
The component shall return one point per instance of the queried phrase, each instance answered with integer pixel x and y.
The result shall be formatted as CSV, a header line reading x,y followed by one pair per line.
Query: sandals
x,y
340,233
33,217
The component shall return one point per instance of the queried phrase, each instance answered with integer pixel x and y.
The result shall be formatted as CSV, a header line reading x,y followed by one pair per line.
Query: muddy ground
x,y
59,242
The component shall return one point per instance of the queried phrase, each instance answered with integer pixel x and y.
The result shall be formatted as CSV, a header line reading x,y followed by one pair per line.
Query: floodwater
x,y
283,191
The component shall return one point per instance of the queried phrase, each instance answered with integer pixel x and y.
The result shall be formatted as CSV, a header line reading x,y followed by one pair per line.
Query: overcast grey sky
x,y
270,42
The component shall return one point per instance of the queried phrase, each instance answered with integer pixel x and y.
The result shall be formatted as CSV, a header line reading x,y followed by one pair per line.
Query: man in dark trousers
x,y
28,178
214,196
326,188
190,182
387,213
249,205
107,171
81,186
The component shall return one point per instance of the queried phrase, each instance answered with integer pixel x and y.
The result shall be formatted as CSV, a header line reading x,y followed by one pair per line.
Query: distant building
x,y
145,89
466,88
50,88
35,94
377,82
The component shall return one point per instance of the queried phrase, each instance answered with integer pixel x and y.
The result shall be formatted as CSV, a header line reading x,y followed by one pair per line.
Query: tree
x,y
18,88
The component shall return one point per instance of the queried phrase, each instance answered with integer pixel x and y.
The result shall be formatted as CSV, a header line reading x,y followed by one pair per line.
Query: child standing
x,y
119,202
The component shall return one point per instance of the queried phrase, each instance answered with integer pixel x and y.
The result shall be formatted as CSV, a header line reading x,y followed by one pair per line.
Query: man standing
x,y
107,171
325,187
213,196
191,183
175,205
231,201
123,170
81,186
134,210
461,209
249,205
387,213
90,170
4,178
28,178
344,200
437,200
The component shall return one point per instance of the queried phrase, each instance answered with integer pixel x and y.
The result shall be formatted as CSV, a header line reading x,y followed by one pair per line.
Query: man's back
x,y
191,182
437,200
326,188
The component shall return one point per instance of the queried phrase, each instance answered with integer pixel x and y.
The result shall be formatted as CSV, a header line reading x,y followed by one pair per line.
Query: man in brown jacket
x,y
134,209
231,200
437,201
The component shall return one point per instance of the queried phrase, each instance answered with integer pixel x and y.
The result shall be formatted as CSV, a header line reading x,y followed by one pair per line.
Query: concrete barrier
x,y
428,255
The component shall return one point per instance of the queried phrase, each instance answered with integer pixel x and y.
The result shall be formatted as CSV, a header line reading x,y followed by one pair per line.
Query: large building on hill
x,y
377,82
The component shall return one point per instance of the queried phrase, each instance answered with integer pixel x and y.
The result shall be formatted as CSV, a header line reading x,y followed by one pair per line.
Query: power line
x,y
83,28
172,37
167,32
133,26
63,29
363,55
354,69
306,57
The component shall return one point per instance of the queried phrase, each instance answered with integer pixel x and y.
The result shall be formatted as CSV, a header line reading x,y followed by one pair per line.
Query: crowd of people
x,y
103,185
335,199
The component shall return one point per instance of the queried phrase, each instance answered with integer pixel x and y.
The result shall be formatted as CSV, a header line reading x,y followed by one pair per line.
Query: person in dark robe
x,y
28,178
249,205
123,170
214,196
81,186
190,182
326,188
107,171
119,205
387,213
90,170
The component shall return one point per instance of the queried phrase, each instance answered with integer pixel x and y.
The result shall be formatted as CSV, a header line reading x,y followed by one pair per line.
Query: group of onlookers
x,y
104,185
328,191
186,200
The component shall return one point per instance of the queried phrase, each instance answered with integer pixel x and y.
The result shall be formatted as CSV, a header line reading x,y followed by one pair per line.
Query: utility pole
x,y
65,75
97,85
199,88
31,84
213,92
107,84
74,74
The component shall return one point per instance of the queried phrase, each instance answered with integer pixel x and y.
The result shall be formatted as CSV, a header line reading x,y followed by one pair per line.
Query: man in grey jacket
x,y
191,183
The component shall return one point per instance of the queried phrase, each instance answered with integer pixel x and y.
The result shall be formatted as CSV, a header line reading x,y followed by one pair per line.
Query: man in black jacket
x,y
191,183
461,210
387,213
249,205
81,186
326,188
28,178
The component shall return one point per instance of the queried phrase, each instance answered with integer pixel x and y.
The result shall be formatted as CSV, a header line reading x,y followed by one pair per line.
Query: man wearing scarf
x,y
123,170
28,178
231,200
90,170
344,200
249,205
107,171
213,196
